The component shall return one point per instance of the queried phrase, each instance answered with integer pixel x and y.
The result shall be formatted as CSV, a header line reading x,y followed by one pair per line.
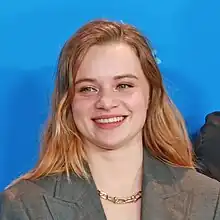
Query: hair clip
x,y
154,53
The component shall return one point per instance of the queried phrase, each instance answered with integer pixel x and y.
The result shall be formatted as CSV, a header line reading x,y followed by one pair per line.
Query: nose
x,y
107,100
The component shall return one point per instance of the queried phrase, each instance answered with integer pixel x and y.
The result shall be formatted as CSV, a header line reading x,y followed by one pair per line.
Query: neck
x,y
117,172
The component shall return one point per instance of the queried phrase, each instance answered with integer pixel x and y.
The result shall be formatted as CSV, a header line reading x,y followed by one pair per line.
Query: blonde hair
x,y
164,132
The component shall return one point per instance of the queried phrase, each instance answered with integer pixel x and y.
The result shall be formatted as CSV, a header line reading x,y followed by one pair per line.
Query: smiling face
x,y
111,96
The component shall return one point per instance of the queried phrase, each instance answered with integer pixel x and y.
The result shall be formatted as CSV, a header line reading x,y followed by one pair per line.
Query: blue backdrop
x,y
185,33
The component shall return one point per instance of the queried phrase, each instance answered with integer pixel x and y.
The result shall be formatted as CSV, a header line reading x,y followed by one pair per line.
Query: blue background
x,y
185,33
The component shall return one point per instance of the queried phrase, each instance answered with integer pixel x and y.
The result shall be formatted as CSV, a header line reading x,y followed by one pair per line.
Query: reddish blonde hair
x,y
164,132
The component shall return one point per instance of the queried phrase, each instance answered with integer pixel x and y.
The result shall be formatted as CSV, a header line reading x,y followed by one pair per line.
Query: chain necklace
x,y
117,200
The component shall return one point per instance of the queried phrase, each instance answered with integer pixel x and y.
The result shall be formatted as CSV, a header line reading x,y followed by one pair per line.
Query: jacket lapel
x,y
163,196
77,199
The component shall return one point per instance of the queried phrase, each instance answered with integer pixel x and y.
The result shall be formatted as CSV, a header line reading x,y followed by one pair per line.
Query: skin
x,y
110,82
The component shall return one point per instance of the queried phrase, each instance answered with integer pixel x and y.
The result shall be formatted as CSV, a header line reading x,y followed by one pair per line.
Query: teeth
x,y
109,120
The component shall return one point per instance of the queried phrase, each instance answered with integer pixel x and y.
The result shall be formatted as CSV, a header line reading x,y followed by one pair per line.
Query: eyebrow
x,y
92,80
129,75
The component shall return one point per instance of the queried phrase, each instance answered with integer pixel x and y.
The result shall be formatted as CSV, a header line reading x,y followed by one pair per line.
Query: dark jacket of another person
x,y
207,146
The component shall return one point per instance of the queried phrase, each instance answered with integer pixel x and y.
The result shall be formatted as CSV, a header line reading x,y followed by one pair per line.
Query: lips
x,y
109,120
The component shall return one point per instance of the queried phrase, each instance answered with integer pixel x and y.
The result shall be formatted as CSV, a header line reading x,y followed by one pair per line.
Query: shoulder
x,y
193,176
196,192
204,191
13,198
185,179
191,180
31,187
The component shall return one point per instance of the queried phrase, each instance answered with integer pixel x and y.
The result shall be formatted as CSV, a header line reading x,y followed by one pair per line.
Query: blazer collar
x,y
75,196
164,196
162,193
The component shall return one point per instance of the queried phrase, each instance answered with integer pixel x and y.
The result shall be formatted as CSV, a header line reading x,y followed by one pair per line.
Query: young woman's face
x,y
111,96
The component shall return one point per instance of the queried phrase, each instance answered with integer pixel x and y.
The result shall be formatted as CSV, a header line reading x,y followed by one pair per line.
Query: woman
x,y
115,147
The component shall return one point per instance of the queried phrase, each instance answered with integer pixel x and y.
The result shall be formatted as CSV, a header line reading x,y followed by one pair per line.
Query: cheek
x,y
138,102
81,108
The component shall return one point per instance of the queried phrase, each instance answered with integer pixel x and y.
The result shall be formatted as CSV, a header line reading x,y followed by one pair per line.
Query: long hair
x,y
164,132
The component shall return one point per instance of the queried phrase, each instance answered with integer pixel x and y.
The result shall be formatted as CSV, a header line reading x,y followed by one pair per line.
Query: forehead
x,y
109,60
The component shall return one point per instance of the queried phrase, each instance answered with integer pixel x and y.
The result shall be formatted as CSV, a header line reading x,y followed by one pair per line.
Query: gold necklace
x,y
117,200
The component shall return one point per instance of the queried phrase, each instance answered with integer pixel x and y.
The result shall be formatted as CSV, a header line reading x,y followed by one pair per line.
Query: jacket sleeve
x,y
11,208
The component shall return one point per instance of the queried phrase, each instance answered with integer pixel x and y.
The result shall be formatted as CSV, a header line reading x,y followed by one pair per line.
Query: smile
x,y
109,122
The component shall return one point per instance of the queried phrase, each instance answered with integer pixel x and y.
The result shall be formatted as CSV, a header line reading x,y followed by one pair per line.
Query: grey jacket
x,y
169,193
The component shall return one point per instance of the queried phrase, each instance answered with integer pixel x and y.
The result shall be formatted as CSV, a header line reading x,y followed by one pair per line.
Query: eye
x,y
88,89
124,86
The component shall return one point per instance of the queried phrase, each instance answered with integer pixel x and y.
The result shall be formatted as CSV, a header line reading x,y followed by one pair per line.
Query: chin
x,y
110,145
